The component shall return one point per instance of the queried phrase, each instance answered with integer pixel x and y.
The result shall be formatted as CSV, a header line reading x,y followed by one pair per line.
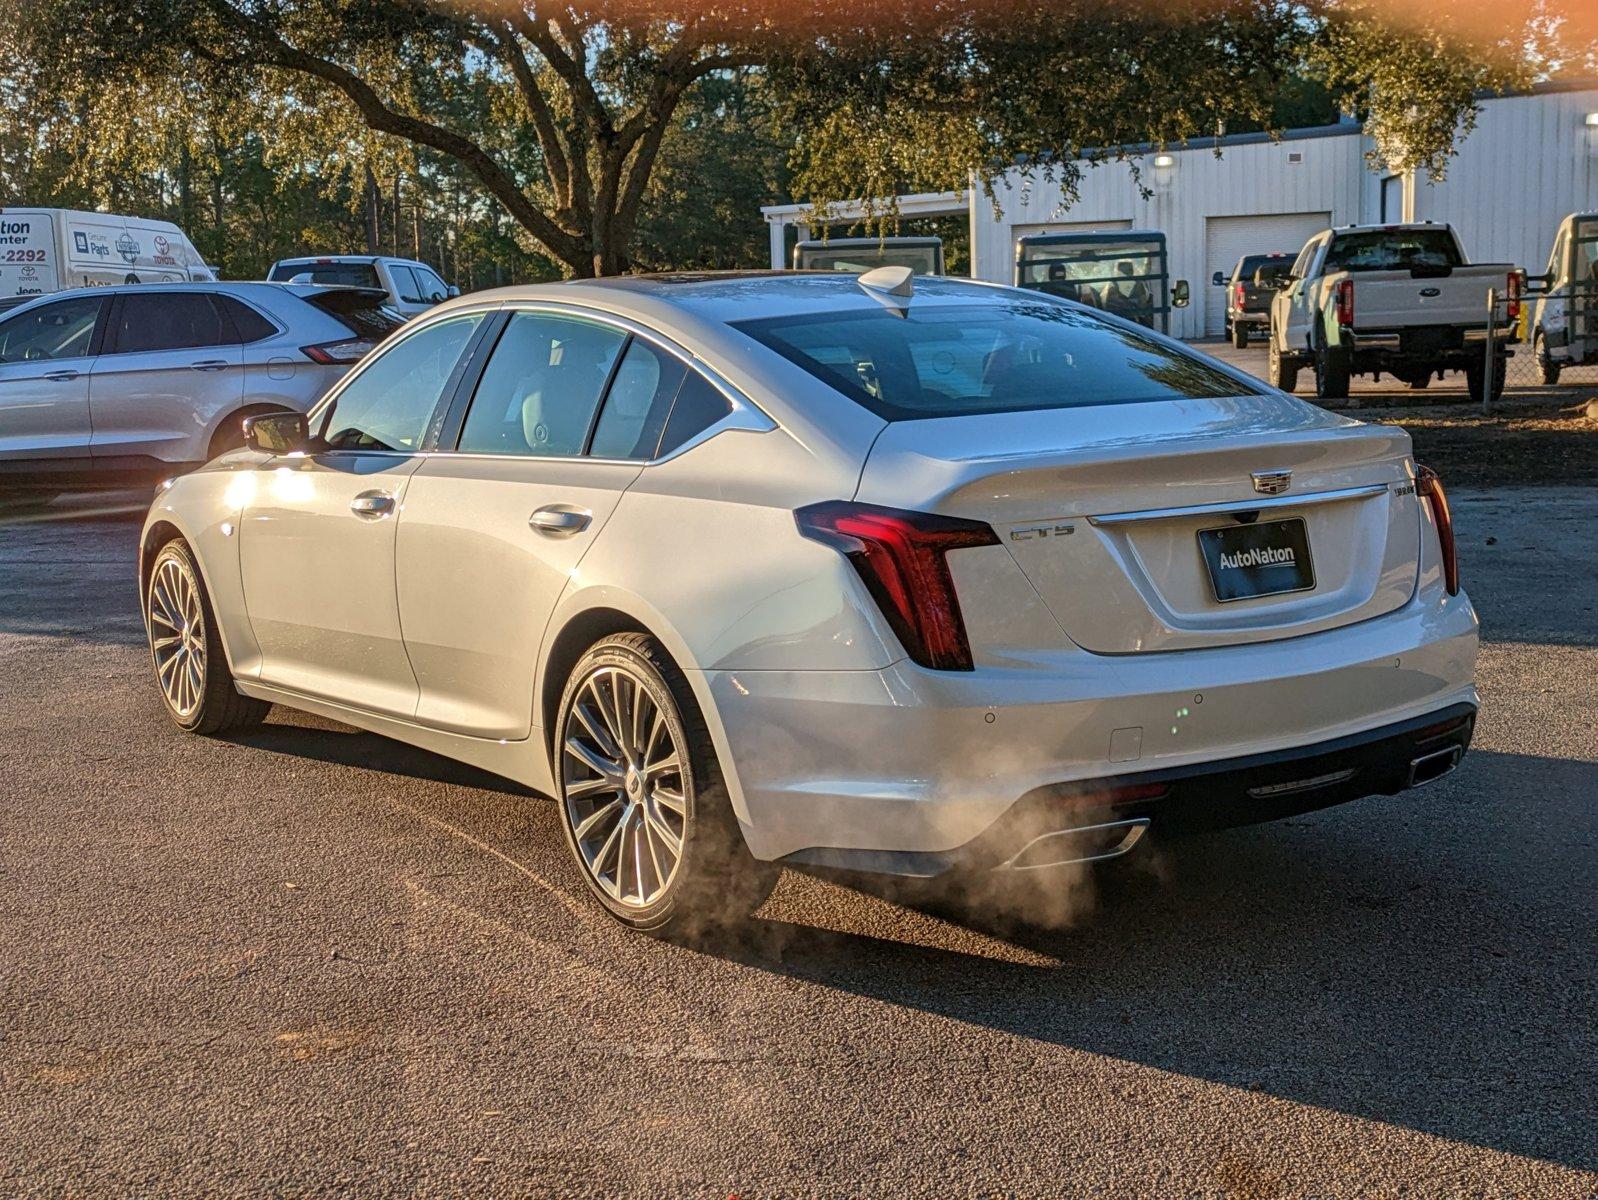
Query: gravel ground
x,y
315,961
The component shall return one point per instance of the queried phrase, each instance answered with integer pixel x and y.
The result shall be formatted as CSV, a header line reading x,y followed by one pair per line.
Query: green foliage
x,y
527,138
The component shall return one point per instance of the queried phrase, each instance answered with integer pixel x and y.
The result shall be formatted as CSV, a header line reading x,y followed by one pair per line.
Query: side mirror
x,y
453,291
1217,280
1180,294
277,433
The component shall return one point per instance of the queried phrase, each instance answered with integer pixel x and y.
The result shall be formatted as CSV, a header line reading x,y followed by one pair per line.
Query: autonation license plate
x,y
1263,559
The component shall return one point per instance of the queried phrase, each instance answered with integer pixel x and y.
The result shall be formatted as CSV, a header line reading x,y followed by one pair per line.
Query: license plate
x,y
1267,558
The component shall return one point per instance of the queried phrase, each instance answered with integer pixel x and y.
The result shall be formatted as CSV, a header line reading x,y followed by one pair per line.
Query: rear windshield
x,y
996,357
338,274
1393,250
923,260
1278,264
364,316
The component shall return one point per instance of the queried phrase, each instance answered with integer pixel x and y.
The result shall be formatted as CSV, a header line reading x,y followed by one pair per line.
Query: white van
x,y
45,250
1564,310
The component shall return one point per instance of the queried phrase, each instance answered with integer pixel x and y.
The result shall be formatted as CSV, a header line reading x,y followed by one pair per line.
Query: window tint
x,y
387,406
250,325
996,357
1306,256
541,386
364,316
638,403
339,274
405,283
698,406
167,321
60,330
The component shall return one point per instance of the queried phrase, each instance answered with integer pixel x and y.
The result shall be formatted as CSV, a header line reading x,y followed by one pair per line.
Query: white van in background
x,y
45,250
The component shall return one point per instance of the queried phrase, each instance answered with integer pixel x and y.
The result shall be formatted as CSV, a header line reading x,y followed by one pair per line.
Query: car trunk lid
x,y
1102,508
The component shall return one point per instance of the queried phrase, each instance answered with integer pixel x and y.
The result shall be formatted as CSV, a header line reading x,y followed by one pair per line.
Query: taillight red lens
x,y
1517,284
1240,295
1345,302
900,558
1430,488
339,353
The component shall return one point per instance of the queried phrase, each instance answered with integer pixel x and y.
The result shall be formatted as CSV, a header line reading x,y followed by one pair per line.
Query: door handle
x,y
560,522
209,364
372,506
61,376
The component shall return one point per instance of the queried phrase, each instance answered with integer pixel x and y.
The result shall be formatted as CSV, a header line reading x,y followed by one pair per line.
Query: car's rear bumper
x,y
1098,818
906,760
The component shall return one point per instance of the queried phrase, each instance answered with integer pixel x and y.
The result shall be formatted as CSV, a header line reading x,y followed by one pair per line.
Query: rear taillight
x,y
1430,488
1240,295
900,558
1517,285
352,350
1345,301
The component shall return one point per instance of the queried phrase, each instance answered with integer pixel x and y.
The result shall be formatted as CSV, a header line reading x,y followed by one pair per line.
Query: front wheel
x,y
186,650
643,803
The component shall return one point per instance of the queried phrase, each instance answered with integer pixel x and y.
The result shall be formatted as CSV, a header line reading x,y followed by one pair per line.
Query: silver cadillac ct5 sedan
x,y
915,576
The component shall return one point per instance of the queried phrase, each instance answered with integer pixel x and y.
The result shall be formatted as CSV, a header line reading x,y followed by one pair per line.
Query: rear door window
x,y
151,321
638,403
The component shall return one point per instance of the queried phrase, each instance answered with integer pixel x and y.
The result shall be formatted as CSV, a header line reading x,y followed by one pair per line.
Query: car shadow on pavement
x,y
1337,960
330,742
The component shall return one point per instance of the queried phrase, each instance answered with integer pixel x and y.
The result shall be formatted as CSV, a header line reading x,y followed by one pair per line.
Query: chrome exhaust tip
x,y
1430,767
1090,843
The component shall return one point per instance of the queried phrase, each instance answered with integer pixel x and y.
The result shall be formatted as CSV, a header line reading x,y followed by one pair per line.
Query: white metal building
x,y
1532,159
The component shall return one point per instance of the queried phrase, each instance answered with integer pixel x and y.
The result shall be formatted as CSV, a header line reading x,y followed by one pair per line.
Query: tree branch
x,y
379,116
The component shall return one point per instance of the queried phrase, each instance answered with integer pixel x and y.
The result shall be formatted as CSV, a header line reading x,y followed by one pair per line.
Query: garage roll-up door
x,y
1227,239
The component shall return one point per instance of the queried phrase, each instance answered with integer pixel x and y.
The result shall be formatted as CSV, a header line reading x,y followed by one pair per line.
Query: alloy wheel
x,y
624,788
177,636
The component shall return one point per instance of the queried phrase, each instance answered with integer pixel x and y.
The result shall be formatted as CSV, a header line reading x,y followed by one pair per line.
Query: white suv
x,y
102,386
412,287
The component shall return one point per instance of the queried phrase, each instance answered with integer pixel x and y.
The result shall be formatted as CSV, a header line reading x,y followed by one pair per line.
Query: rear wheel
x,y
643,802
1547,369
1476,380
1331,373
1419,382
186,650
1240,336
1283,371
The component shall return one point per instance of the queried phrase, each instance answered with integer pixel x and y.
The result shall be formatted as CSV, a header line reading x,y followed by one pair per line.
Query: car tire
x,y
1547,369
689,871
1419,383
1331,373
1476,381
191,667
1283,370
1239,336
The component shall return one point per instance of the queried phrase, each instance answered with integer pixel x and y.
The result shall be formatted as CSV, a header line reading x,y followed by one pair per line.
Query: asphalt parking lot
x,y
315,961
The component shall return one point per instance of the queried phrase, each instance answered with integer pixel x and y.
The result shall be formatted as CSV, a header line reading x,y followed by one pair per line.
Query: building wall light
x,y
1169,160
1592,120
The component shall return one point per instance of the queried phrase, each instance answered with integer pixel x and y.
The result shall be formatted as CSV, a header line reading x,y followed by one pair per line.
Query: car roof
x,y
355,259
724,297
236,286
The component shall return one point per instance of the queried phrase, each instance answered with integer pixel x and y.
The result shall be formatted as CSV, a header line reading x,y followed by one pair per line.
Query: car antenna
x,y
893,286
